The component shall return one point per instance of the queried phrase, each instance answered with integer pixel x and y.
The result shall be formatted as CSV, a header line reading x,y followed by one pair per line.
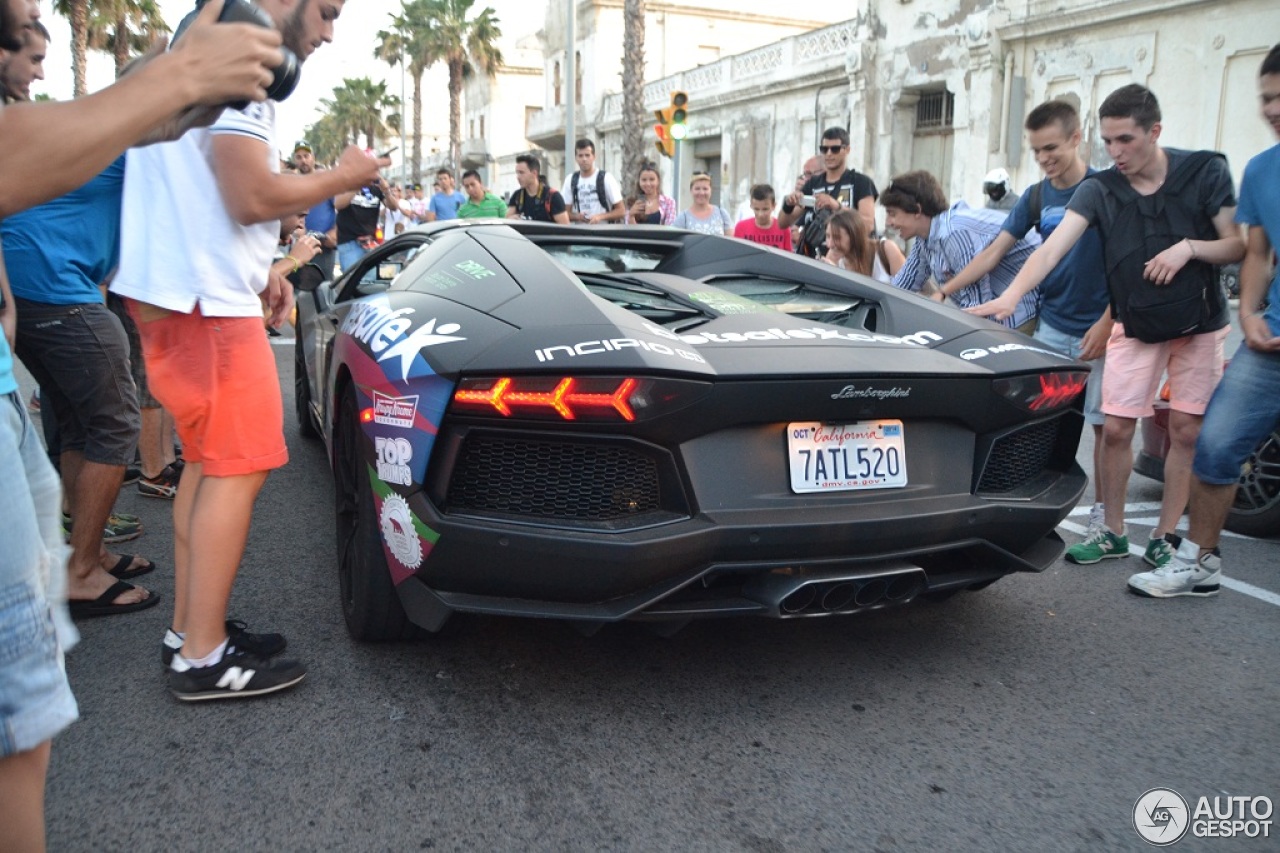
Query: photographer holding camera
x,y
198,309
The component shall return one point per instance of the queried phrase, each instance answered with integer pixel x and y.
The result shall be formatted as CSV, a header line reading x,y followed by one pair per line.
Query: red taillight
x,y
571,398
1042,392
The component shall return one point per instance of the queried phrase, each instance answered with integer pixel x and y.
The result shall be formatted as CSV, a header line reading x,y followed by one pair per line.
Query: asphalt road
x,y
1029,716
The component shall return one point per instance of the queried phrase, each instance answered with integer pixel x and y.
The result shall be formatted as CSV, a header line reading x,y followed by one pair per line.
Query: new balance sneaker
x,y
239,674
1180,576
259,645
1161,550
132,474
164,485
1101,545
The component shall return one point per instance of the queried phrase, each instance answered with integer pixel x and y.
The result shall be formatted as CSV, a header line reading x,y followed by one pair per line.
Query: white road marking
x,y
1230,583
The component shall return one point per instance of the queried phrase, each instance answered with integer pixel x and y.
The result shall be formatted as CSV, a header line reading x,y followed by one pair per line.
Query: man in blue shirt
x,y
1245,406
948,238
76,348
322,218
445,203
1075,313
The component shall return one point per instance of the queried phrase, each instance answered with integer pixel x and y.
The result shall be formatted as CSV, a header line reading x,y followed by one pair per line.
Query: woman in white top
x,y
703,216
850,247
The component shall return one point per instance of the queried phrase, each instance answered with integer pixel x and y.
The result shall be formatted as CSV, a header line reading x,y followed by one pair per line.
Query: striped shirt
x,y
955,238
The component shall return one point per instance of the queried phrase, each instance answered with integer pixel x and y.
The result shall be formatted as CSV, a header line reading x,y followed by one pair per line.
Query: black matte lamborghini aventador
x,y
599,424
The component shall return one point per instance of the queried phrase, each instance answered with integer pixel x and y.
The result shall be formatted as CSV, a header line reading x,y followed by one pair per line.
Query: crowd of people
x,y
135,336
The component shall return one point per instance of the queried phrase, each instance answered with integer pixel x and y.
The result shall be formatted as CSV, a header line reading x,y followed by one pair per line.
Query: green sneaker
x,y
1101,545
1160,551
120,527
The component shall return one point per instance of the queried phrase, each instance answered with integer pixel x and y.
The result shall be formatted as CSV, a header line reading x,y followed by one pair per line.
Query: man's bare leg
x,y
1210,506
1117,465
91,488
22,781
150,447
1183,431
1099,496
217,530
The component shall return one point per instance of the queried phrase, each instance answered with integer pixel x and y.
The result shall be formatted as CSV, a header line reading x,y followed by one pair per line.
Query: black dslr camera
x,y
285,75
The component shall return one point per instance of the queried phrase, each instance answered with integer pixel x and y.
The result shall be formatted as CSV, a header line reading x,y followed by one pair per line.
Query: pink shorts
x,y
1135,370
217,377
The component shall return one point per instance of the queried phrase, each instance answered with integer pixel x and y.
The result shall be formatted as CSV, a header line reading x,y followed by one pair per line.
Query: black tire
x,y
1256,511
302,393
370,606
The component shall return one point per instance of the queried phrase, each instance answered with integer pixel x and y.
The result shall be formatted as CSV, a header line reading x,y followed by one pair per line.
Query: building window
x,y
935,110
555,82
482,127
471,128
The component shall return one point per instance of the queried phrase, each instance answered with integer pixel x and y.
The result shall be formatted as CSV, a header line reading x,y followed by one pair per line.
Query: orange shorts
x,y
1135,370
217,378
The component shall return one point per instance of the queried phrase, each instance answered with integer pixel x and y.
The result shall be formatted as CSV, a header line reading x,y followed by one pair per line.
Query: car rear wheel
x,y
370,606
1256,511
302,392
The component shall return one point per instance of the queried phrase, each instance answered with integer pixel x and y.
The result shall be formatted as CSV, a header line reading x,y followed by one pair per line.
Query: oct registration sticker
x,y
841,457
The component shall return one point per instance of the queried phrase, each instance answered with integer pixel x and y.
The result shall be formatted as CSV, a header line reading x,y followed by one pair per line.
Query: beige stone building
x,y
936,84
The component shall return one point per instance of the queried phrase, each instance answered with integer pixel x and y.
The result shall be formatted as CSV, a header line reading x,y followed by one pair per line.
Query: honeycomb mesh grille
x,y
1019,457
552,479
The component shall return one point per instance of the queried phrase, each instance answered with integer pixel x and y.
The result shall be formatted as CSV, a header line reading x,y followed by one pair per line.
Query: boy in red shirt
x,y
764,228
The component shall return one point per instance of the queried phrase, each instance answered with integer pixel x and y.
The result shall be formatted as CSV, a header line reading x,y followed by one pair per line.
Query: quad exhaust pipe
x,y
792,596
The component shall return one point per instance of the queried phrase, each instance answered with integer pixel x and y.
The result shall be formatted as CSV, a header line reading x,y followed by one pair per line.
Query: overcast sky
x,y
350,55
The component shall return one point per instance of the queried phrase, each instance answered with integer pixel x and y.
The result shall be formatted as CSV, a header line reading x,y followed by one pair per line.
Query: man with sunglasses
x,y
834,187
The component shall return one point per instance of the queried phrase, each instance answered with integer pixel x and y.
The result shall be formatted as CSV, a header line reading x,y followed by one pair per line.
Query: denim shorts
x,y
1068,344
80,356
1244,409
349,254
35,699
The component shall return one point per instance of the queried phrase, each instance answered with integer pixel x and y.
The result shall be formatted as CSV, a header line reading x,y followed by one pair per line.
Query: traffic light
x,y
671,123
679,112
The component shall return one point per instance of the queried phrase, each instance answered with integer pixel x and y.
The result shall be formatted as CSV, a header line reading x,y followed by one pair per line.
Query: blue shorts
x,y
1244,409
35,699
1068,344
349,254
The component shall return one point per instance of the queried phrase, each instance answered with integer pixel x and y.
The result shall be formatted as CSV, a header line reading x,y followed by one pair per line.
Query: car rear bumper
x,y
736,562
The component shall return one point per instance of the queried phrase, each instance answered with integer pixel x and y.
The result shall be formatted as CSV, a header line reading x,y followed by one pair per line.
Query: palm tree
x,y
361,106
327,138
125,28
464,45
633,136
77,13
403,43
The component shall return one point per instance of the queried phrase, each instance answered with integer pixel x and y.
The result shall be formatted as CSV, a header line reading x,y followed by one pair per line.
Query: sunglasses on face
x,y
830,149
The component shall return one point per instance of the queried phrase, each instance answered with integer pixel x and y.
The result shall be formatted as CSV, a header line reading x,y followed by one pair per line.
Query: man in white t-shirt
x,y
198,306
592,196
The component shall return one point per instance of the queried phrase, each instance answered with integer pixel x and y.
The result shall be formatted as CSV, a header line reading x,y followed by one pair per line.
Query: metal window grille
x,y
935,110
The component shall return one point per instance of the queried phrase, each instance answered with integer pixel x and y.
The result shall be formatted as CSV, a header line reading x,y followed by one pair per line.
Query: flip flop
x,y
102,606
122,571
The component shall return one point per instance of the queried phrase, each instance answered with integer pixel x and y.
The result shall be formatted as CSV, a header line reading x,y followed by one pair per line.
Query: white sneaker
x,y
1180,577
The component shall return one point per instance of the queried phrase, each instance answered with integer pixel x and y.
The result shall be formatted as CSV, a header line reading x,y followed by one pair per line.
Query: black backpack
x,y
1144,226
604,199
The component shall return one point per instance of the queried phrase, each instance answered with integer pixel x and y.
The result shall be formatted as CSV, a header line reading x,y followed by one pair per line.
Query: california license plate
x,y
840,457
